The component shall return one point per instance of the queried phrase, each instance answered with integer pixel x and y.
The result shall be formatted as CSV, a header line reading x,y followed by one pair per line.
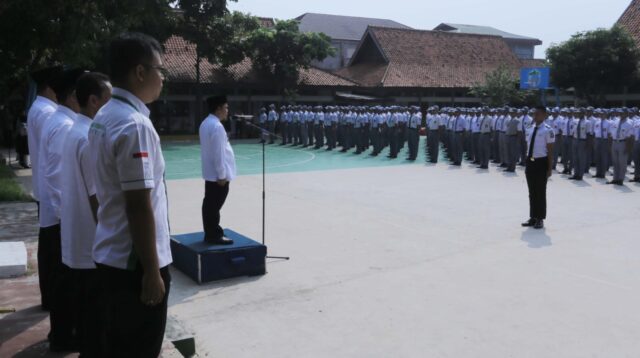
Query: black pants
x,y
214,197
132,328
536,173
49,258
89,324
63,313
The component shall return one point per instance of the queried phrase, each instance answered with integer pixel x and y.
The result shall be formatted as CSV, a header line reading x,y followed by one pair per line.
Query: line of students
x,y
98,175
586,137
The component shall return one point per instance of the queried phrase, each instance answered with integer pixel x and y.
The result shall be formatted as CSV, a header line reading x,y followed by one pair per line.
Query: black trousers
x,y
89,324
63,308
132,328
536,173
49,258
214,198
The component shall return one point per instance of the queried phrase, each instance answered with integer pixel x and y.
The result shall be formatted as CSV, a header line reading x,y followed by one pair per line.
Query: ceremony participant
x,y
79,210
540,139
218,168
131,248
484,143
622,137
41,109
636,150
262,119
413,135
54,133
272,118
603,150
582,142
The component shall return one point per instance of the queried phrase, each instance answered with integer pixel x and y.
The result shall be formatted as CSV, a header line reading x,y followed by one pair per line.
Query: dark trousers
x,y
214,198
89,324
536,173
62,313
49,258
132,329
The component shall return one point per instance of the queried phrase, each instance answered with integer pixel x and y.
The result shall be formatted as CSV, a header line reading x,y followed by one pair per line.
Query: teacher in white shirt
x,y
218,168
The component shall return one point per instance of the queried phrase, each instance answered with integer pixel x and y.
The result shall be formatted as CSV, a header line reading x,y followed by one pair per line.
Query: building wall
x,y
522,51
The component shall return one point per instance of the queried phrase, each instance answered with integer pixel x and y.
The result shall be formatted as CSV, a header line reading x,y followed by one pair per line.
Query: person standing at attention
x,y
540,139
218,169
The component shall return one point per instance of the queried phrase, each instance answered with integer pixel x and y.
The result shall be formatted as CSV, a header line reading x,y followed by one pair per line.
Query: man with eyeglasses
x,y
131,247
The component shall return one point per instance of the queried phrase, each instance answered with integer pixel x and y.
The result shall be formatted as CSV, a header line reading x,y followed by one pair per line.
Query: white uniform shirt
x,y
544,136
621,131
484,124
601,128
41,109
415,120
54,132
125,150
218,160
78,226
583,128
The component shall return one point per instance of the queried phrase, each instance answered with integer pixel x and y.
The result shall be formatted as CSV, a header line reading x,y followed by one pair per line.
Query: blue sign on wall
x,y
534,78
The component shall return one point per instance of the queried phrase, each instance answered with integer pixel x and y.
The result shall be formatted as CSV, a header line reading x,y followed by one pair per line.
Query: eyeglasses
x,y
163,71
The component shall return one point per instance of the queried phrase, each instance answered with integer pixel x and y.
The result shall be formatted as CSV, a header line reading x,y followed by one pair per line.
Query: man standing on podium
x,y
218,168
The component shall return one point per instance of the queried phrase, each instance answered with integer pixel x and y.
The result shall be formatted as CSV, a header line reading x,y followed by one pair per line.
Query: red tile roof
x,y
430,59
180,59
630,21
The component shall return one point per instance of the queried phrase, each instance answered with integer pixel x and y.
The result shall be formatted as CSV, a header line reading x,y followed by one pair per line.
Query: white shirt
x,y
77,225
54,132
621,131
38,114
218,160
544,136
126,153
601,128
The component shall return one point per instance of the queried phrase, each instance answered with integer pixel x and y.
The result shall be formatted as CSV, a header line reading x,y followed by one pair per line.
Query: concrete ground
x,y
419,261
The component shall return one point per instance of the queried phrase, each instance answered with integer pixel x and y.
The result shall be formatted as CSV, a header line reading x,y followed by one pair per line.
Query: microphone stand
x,y
264,132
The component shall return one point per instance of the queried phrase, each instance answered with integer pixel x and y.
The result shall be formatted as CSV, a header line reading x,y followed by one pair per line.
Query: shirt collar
x,y
46,101
214,117
137,103
67,112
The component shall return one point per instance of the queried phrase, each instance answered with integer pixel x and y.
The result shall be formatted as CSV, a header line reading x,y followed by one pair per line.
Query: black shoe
x,y
618,182
509,170
573,178
539,224
529,223
503,165
221,241
612,182
599,176
566,171
483,167
634,180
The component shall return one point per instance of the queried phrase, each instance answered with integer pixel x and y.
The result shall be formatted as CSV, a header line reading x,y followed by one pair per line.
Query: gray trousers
x,y
513,151
502,142
619,158
603,153
271,127
579,157
567,151
304,133
458,146
484,149
413,139
557,149
636,160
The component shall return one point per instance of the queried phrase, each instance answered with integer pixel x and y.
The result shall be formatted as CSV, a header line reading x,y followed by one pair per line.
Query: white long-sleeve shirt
x,y
40,111
218,160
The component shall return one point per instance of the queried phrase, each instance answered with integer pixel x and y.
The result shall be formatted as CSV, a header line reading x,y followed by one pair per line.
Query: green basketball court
x,y
183,159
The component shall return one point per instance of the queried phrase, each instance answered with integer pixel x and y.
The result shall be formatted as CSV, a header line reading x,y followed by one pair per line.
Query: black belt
x,y
619,140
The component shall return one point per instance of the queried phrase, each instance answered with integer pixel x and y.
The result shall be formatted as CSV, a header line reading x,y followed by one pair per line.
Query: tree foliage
x,y
499,88
281,52
74,32
595,63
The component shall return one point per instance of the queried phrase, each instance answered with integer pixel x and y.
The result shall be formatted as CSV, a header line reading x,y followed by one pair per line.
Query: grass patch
x,y
10,190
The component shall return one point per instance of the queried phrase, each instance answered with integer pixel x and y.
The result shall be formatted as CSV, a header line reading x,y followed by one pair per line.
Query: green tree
x,y
219,35
499,88
74,32
595,63
281,52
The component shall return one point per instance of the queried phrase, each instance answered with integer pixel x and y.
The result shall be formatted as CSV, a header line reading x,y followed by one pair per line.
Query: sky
x,y
552,21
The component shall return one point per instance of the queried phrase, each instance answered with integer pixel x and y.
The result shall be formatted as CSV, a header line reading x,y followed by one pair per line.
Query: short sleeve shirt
x,y
544,136
125,150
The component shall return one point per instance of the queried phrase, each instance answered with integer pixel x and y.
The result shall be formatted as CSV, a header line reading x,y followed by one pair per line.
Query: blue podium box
x,y
204,262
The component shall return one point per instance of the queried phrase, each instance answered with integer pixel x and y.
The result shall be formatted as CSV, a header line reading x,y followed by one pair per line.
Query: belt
x,y
582,139
619,140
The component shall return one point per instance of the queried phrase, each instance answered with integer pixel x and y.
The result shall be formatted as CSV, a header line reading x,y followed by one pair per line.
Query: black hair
x,y
65,83
543,109
130,50
215,102
91,83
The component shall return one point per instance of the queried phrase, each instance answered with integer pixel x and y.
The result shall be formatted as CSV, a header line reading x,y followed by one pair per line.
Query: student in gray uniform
x,y
621,134
304,126
567,148
272,118
582,136
512,141
601,138
284,124
413,125
484,142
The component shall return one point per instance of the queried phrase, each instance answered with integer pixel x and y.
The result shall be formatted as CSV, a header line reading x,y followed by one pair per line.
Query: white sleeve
x,y
134,151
